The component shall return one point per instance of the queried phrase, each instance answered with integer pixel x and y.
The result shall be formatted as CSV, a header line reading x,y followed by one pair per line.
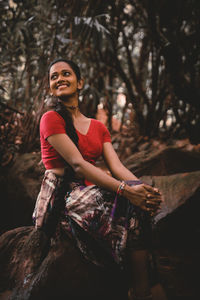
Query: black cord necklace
x,y
71,107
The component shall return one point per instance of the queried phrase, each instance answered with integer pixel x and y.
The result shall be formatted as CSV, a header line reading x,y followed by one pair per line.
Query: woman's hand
x,y
144,196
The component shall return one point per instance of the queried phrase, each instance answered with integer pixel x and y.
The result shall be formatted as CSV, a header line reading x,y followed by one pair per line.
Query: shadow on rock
x,y
34,267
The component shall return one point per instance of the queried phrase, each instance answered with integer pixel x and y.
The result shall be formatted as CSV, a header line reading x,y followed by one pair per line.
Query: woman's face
x,y
63,81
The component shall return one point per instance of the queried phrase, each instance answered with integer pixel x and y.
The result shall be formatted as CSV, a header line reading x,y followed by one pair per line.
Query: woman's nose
x,y
60,80
60,77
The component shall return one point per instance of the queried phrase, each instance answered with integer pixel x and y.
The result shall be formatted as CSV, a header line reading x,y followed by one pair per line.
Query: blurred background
x,y
140,61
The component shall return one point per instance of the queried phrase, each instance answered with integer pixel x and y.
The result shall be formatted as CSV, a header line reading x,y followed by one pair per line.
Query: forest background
x,y
146,51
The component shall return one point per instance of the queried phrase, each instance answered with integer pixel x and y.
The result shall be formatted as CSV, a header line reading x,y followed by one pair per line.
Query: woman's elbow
x,y
78,166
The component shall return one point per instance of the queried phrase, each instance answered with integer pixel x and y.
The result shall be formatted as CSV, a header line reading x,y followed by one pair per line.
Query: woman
x,y
105,214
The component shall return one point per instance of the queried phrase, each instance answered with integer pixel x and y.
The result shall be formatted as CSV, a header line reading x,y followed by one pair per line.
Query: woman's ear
x,y
80,84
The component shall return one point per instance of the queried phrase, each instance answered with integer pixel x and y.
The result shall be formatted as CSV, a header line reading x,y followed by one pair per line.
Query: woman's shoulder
x,y
51,117
51,114
51,123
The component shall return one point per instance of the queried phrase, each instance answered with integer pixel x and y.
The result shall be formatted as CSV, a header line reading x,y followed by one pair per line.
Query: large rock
x,y
20,184
178,222
166,160
176,190
32,267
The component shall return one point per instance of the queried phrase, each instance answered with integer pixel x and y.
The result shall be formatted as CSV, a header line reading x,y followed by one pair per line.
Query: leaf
x,y
100,27
30,20
63,40
92,23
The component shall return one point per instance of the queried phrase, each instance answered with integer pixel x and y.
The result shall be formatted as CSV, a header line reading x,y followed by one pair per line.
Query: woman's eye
x,y
66,73
53,77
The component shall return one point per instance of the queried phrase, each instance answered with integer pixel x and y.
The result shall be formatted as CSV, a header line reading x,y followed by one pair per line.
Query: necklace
x,y
72,107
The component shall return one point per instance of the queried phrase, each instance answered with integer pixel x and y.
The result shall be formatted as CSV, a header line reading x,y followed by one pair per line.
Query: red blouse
x,y
90,144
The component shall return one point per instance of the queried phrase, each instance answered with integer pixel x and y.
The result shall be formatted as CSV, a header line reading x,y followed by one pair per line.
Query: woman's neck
x,y
72,105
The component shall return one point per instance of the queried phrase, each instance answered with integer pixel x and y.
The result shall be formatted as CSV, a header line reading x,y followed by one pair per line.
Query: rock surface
x,y
31,269
20,184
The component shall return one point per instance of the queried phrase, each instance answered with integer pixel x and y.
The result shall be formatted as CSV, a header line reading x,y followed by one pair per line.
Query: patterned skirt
x,y
104,226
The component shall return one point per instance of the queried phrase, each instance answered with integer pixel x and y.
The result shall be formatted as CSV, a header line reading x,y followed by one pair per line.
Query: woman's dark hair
x,y
72,64
60,108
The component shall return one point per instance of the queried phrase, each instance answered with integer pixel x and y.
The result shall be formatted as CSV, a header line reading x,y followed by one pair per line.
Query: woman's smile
x,y
63,85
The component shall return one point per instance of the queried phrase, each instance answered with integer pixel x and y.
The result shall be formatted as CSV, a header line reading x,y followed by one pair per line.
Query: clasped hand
x,y
145,197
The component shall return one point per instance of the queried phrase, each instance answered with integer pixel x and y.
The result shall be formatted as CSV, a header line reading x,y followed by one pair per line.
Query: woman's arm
x,y
143,194
137,194
114,164
68,150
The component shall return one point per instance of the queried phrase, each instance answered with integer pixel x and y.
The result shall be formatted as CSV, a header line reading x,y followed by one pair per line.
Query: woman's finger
x,y
152,190
154,198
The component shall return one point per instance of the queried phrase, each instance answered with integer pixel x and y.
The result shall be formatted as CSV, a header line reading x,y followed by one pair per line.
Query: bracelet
x,y
121,188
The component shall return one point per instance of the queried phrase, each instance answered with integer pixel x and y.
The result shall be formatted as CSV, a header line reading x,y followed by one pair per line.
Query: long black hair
x,y
60,108
61,189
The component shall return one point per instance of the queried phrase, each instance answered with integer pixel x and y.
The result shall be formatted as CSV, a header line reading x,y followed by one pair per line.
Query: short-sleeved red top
x,y
90,144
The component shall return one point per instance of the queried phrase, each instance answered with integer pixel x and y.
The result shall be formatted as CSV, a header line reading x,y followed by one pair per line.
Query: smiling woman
x,y
63,81
109,217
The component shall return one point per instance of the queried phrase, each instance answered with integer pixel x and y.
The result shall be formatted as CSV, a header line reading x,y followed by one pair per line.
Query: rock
x,y
20,184
176,190
33,267
29,170
166,161
177,223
